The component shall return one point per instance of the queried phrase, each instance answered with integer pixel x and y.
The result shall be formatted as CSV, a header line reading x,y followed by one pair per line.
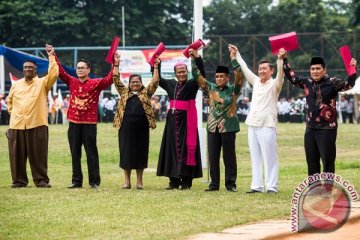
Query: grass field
x,y
154,213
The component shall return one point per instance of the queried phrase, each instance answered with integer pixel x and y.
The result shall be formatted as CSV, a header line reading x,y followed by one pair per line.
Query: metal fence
x,y
253,48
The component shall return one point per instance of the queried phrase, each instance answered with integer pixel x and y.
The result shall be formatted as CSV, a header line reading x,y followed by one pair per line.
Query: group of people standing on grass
x,y
179,156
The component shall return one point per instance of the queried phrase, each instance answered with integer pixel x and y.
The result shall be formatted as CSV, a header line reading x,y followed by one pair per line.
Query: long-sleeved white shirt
x,y
263,111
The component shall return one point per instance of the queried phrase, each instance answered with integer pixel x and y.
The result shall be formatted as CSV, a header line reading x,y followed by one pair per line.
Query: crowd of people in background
x,y
290,109
4,114
294,110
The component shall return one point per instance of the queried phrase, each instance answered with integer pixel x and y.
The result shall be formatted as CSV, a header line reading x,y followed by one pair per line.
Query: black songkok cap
x,y
222,69
317,60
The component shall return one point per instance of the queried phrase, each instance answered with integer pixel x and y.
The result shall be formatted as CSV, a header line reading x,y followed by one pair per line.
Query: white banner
x,y
135,61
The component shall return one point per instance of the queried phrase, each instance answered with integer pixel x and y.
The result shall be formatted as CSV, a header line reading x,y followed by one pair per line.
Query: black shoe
x,y
254,191
171,187
271,191
44,185
16,185
75,185
94,186
232,189
184,188
211,189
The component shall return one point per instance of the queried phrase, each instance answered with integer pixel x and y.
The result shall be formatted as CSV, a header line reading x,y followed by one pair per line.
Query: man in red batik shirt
x,y
82,117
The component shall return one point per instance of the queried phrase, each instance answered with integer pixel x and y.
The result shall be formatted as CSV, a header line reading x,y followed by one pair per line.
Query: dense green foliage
x,y
27,23
322,26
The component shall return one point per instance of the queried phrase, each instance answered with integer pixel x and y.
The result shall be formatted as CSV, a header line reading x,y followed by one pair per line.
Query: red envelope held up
x,y
288,41
114,46
198,44
157,52
346,57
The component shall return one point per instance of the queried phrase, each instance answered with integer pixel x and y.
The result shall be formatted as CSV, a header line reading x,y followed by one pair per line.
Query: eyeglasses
x,y
135,82
81,68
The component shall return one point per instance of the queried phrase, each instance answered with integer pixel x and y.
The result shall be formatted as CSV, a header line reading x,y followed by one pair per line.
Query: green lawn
x,y
154,213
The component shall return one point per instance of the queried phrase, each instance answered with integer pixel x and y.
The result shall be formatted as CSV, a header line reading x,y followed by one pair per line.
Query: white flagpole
x,y
198,33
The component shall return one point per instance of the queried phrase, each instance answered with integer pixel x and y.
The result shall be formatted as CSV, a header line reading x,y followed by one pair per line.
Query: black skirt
x,y
173,150
134,136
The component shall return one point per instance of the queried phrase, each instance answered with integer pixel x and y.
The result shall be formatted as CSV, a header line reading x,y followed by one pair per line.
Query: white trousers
x,y
263,149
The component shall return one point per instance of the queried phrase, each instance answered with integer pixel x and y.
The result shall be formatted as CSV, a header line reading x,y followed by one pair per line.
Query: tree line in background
x,y
246,23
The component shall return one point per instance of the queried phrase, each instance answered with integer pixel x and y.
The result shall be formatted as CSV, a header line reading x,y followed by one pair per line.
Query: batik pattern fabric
x,y
144,96
320,97
222,101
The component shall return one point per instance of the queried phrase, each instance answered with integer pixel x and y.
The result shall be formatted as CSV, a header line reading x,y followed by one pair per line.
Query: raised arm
x,y
53,71
197,69
291,76
116,75
154,83
239,76
63,75
108,80
248,74
349,82
159,72
280,69
116,63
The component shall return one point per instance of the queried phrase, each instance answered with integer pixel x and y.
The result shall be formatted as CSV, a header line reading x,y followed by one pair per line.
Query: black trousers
x,y
5,117
350,117
320,143
79,134
344,116
227,142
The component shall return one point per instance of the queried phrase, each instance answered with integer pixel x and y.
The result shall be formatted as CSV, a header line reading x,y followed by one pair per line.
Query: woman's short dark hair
x,y
133,76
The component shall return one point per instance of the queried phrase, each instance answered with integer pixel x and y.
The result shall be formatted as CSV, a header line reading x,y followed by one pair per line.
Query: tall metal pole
x,y
198,33
123,26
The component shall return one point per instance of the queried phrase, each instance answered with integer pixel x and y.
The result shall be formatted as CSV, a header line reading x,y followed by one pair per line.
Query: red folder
x,y
157,52
198,44
346,57
288,41
114,46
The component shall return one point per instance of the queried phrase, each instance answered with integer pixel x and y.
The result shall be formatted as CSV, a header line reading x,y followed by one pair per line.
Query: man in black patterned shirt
x,y
321,116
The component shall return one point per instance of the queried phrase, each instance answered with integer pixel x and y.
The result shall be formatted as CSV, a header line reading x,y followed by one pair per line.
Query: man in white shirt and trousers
x,y
262,120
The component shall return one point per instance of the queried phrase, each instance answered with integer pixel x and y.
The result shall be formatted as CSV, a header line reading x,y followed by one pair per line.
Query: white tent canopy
x,y
355,89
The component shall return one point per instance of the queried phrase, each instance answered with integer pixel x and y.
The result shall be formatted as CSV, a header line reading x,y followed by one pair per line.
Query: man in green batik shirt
x,y
222,124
